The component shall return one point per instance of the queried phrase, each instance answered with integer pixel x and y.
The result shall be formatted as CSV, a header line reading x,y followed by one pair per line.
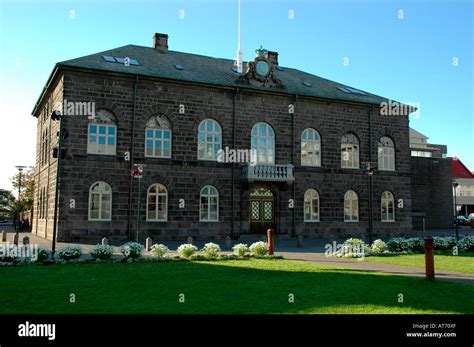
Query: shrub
x,y
102,252
186,250
211,250
69,253
416,244
444,243
467,244
159,251
42,254
259,249
132,250
354,248
378,247
240,249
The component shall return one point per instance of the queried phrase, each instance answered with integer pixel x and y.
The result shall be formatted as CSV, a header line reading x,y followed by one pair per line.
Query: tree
x,y
27,189
7,202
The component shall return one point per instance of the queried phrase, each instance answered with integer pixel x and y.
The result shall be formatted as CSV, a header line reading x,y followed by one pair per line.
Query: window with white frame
x,y
102,137
263,143
351,206
100,201
310,148
386,154
388,207
157,203
349,151
209,204
209,139
158,137
311,206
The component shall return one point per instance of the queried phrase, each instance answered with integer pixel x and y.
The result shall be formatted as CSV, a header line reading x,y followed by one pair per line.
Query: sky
x,y
413,51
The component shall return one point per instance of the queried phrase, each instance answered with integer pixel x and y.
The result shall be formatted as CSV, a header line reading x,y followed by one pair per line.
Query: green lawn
x,y
232,286
464,262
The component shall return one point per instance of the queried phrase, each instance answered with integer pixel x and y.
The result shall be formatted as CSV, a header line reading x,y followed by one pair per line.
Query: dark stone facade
x,y
236,110
432,191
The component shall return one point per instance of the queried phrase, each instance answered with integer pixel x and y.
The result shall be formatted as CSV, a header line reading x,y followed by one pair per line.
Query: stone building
x,y
311,139
432,195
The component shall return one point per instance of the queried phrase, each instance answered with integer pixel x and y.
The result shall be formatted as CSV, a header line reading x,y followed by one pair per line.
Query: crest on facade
x,y
261,72
159,121
103,116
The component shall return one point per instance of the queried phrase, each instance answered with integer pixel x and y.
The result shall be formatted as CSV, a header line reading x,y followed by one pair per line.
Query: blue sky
x,y
409,59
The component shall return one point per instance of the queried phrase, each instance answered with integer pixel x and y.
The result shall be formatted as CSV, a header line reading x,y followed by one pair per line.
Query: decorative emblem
x,y
261,52
160,121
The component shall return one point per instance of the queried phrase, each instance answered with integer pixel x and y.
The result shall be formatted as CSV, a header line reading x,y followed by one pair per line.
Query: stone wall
x,y
183,175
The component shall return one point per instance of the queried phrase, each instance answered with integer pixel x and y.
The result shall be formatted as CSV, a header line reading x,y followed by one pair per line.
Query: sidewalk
x,y
313,251
362,265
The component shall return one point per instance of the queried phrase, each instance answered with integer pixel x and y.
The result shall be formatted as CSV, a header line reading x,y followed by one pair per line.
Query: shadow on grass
x,y
252,286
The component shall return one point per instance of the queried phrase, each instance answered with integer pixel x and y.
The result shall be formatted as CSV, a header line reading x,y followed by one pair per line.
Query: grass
x,y
464,262
232,286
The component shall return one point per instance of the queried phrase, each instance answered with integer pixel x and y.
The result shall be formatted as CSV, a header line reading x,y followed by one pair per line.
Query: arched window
x,y
311,206
209,206
157,203
102,129
209,139
263,143
351,206
386,151
349,151
387,207
100,201
310,148
158,137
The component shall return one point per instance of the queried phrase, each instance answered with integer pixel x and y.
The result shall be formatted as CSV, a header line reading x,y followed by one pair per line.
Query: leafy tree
x,y
27,189
7,202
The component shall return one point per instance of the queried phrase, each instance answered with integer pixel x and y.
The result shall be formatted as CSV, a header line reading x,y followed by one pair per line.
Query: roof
x,y
459,170
211,71
208,70
417,134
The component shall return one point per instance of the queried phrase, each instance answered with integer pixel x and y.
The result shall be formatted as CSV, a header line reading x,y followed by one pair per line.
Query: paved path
x,y
313,251
378,267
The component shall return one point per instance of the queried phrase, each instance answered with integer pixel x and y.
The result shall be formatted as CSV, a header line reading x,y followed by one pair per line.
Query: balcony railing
x,y
267,173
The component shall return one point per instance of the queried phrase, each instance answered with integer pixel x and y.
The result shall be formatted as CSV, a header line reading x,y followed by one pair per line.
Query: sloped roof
x,y
459,170
417,134
212,71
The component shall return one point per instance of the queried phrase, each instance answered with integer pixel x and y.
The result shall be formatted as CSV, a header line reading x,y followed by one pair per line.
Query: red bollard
x,y
271,241
429,258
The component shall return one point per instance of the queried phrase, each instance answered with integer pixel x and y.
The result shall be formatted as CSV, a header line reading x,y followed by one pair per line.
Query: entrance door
x,y
262,211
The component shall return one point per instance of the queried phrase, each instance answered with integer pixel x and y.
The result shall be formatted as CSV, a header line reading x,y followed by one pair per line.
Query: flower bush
x,y
444,243
211,250
69,253
259,249
132,250
240,249
102,252
378,247
159,251
354,248
467,244
42,254
186,250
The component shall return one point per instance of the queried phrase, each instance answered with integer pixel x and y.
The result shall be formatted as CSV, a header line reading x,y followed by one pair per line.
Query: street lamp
x,y
138,173
370,172
455,185
62,134
18,208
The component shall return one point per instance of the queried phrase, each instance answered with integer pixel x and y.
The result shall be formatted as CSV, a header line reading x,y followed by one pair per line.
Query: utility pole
x,y
455,185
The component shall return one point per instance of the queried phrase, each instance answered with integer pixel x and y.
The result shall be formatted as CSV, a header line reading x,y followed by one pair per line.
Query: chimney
x,y
160,42
272,57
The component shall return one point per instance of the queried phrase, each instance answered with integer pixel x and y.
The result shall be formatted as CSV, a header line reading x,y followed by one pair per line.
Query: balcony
x,y
267,173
